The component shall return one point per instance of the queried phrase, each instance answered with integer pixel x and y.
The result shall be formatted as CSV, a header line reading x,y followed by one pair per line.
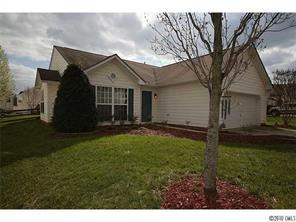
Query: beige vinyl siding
x,y
57,62
181,103
124,79
251,83
49,87
44,116
50,92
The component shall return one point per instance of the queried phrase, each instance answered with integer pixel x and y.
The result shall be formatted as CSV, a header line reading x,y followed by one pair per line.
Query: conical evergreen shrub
x,y
74,109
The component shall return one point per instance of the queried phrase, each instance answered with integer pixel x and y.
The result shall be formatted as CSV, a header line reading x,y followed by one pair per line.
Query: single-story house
x,y
20,101
146,93
8,103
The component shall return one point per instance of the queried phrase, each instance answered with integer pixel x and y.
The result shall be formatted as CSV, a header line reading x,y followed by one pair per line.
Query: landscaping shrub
x,y
74,109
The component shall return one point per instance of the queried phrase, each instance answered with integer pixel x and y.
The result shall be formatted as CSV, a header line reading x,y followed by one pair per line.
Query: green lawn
x,y
39,170
272,120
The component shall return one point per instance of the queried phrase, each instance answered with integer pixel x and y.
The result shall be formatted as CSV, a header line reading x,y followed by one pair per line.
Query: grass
x,y
272,120
40,170
16,119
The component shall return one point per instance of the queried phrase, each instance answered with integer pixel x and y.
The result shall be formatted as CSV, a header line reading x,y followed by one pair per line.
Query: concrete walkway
x,y
265,130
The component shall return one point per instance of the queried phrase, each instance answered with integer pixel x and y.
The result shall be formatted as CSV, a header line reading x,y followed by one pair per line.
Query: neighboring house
x,y
19,102
170,94
14,102
8,103
27,99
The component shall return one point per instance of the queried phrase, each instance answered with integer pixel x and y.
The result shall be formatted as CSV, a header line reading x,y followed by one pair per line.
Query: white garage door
x,y
244,111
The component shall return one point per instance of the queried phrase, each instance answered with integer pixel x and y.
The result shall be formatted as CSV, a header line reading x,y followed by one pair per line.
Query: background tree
x,y
31,97
186,36
284,82
7,85
74,109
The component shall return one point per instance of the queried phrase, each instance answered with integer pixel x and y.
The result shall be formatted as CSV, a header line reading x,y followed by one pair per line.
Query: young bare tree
x,y
187,36
31,97
7,84
285,88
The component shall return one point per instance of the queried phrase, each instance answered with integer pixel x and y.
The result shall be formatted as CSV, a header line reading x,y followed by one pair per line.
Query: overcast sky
x,y
28,40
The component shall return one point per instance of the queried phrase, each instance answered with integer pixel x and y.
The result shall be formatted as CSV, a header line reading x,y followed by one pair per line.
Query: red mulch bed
x,y
187,193
151,129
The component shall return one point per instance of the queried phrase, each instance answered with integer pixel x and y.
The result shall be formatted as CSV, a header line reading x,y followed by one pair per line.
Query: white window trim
x,y
113,99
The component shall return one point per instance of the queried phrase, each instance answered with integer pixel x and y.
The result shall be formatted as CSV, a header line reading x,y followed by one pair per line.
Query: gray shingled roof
x,y
88,59
154,75
78,57
48,75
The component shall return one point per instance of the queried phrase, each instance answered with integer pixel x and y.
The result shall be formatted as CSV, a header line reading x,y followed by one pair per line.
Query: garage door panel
x,y
243,111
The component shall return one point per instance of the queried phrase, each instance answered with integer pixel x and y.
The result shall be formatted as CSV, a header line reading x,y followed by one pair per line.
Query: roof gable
x,y
122,62
47,75
87,60
260,67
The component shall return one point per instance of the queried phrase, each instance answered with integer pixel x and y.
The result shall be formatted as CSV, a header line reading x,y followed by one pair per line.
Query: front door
x,y
146,106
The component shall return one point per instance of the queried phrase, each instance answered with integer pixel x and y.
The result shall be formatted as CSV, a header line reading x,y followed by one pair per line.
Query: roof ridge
x,y
141,63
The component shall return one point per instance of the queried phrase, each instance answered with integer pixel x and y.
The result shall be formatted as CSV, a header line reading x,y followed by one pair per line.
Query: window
x,y
111,102
42,107
104,103
120,112
120,104
104,112
42,102
104,95
225,106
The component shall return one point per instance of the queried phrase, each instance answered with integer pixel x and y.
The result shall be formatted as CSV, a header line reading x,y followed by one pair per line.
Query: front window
x,y
111,102
104,103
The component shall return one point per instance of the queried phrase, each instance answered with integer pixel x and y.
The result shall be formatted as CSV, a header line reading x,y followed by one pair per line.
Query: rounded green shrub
x,y
74,109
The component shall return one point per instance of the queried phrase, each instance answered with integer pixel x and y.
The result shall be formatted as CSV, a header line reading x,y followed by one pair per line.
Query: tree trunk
x,y
211,152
